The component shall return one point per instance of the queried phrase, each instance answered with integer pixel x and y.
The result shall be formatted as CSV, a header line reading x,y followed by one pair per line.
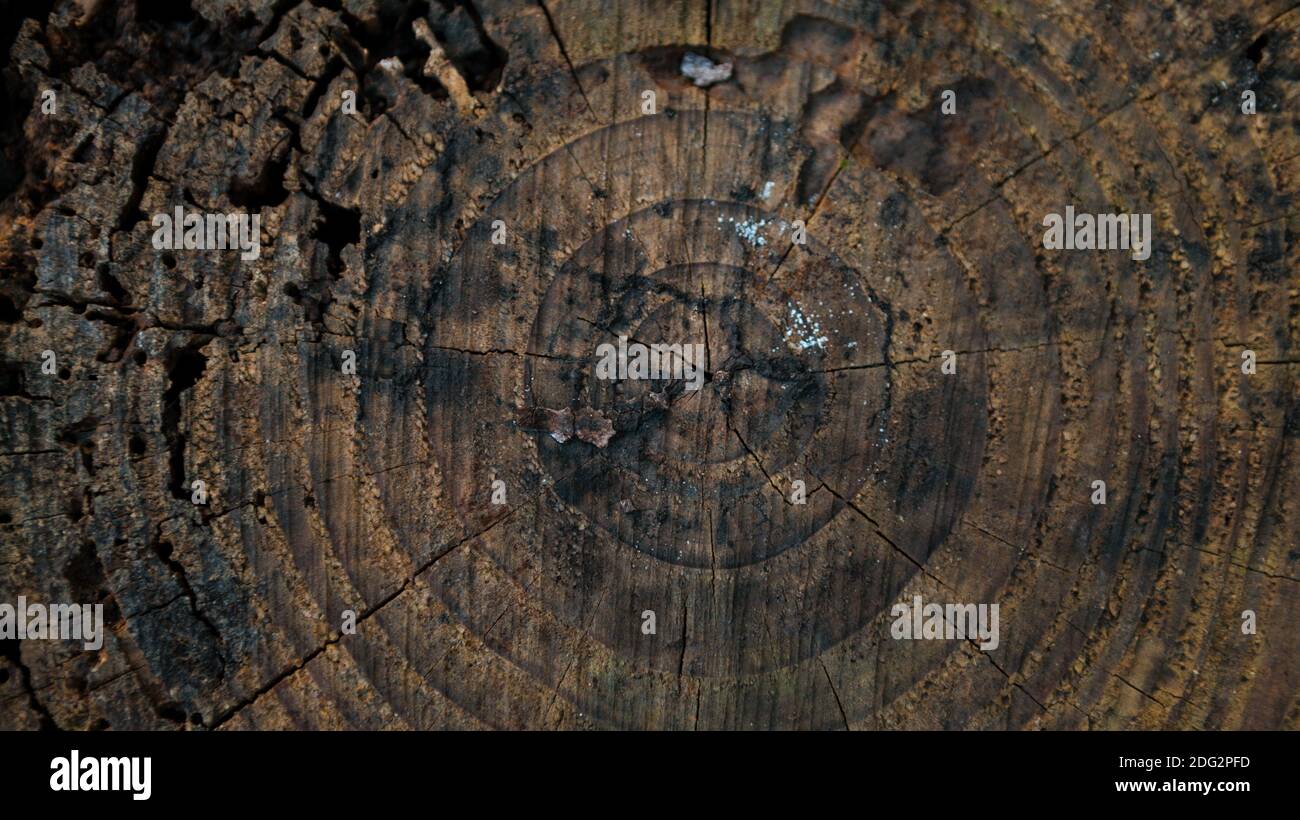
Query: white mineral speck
x,y
704,71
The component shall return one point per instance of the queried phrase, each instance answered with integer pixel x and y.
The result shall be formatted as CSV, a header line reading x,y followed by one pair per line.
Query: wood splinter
x,y
442,69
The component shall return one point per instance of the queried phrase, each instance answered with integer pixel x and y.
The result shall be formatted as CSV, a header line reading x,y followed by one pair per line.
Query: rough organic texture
x,y
373,492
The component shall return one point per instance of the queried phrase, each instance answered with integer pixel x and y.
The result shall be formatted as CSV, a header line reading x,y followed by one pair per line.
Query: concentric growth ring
x,y
798,387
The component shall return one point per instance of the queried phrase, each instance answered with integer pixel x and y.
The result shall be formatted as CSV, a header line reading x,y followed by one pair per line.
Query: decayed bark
x,y
371,491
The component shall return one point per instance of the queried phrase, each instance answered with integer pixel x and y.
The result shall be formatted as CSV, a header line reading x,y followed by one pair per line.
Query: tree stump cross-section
x,y
421,507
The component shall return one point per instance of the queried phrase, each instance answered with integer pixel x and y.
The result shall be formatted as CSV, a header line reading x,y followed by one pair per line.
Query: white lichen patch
x,y
805,332
750,230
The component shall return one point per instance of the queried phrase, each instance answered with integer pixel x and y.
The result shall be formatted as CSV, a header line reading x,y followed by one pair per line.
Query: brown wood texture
x,y
372,492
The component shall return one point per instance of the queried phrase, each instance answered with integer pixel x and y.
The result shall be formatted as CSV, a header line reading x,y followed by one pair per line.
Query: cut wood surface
x,y
370,491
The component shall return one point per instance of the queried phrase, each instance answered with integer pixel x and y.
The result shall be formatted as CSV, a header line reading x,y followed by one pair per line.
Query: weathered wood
x,y
373,492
